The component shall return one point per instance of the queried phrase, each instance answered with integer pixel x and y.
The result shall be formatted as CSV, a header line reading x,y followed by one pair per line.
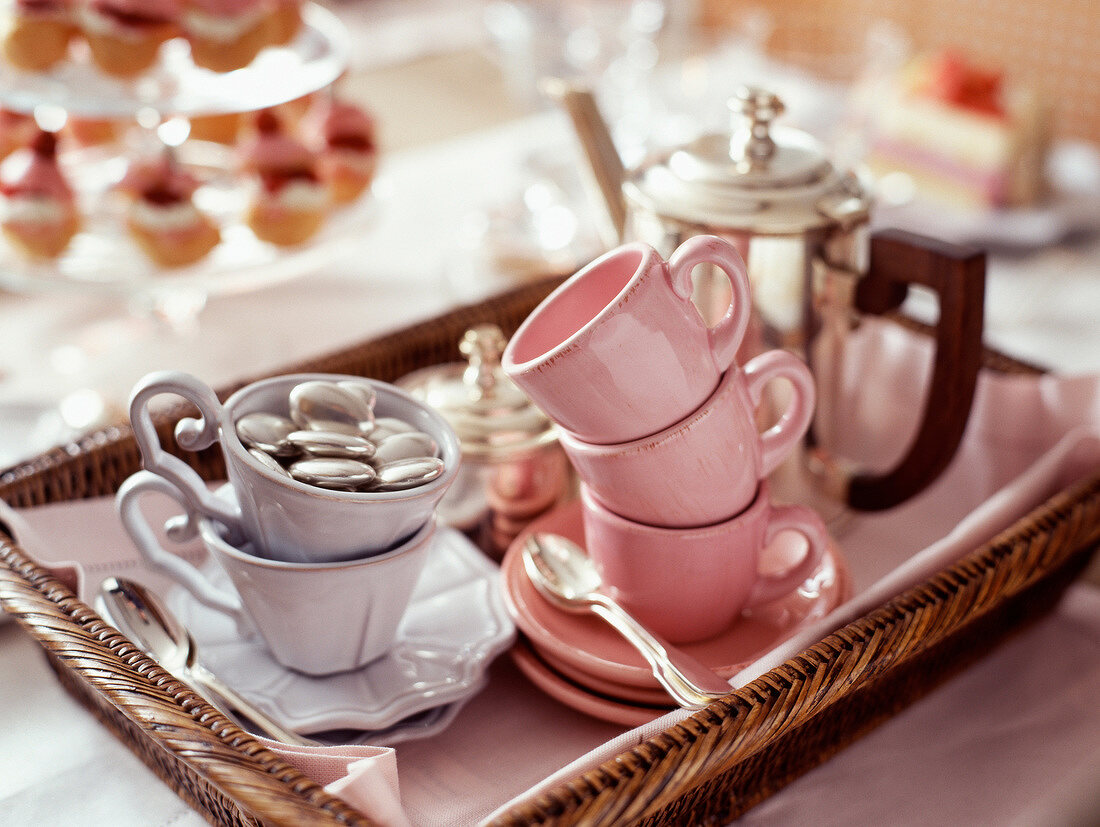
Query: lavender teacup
x,y
283,518
316,618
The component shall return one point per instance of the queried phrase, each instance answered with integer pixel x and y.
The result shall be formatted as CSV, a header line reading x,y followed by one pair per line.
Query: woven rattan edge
x,y
232,778
208,761
715,764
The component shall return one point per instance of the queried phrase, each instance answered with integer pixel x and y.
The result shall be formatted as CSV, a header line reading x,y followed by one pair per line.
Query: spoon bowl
x,y
131,609
562,572
562,567
140,615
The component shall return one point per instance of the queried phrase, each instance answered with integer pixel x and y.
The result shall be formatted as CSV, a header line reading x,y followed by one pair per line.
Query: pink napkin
x,y
363,776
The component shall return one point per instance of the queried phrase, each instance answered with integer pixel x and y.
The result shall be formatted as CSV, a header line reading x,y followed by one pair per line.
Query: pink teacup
x,y
707,467
689,584
619,351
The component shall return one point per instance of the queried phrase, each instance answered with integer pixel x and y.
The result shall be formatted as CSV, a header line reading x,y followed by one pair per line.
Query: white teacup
x,y
283,518
316,618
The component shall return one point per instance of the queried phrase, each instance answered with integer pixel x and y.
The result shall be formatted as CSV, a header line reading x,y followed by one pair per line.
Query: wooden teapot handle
x,y
957,275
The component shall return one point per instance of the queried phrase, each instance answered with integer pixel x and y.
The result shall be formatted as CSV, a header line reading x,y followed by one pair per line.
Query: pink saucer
x,y
570,694
645,695
593,648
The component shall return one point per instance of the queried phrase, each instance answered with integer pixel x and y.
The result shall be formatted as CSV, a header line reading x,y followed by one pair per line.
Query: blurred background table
x,y
460,144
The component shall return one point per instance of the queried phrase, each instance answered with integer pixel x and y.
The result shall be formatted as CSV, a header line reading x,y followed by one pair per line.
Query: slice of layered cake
x,y
961,134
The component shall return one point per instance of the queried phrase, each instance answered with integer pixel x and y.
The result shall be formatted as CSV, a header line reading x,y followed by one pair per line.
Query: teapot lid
x,y
492,418
760,178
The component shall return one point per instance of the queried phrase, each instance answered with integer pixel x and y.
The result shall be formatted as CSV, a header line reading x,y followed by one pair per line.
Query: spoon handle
x,y
691,684
241,708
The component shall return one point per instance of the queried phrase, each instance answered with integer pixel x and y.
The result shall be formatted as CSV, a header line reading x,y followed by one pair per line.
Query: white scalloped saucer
x,y
456,624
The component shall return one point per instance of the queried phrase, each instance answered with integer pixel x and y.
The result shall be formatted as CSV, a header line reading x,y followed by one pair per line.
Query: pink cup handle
x,y
807,523
727,333
776,442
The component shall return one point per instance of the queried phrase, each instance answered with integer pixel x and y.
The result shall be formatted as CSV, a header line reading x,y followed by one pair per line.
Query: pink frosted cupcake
x,y
346,148
93,131
37,34
125,36
226,34
290,201
17,130
162,217
38,212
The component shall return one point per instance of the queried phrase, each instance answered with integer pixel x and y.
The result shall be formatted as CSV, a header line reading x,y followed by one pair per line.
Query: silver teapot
x,y
803,227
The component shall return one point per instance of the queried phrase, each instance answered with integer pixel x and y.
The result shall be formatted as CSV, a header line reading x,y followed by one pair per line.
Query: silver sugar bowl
x,y
513,468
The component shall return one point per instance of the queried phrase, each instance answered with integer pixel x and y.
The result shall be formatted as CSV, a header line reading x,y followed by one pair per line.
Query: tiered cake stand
x,y
102,257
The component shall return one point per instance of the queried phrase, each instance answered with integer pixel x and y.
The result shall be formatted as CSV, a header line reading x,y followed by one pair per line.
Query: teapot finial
x,y
483,345
759,108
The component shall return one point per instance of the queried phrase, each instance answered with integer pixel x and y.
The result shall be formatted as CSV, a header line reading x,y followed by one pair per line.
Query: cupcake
x,y
125,36
162,218
38,213
37,34
286,21
89,132
290,201
347,155
226,34
17,130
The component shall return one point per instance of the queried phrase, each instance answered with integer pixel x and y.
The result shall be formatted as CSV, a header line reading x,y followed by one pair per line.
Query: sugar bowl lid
x,y
492,417
758,178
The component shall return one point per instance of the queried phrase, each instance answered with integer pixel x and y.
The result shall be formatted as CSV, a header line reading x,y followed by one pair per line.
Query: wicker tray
x,y
707,769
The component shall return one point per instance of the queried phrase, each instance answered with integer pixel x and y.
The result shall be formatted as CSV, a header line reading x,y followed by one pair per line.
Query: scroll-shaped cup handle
x,y
726,334
147,542
806,522
778,441
957,275
191,435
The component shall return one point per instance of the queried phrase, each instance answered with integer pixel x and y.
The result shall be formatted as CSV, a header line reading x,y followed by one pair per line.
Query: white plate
x,y
455,625
1073,206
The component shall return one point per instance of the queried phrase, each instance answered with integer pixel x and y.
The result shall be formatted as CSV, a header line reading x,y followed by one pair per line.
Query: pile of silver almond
x,y
333,440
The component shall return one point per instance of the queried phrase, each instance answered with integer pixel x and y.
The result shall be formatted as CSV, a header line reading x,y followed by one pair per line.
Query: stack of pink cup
x,y
660,422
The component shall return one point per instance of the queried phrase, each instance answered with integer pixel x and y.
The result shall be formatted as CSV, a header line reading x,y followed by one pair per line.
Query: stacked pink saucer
x,y
584,663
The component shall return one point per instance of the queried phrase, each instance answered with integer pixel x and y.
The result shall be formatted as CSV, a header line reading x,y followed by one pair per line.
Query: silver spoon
x,y
139,614
562,572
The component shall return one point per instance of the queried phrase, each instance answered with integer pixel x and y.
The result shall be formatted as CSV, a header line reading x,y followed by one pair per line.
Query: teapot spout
x,y
599,149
